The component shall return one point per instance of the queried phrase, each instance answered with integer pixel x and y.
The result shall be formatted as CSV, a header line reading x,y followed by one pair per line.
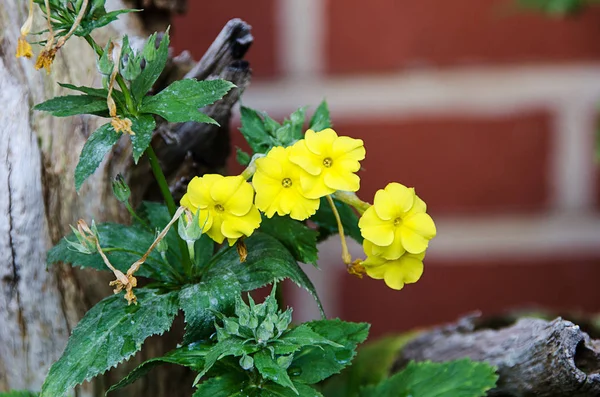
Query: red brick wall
x,y
488,110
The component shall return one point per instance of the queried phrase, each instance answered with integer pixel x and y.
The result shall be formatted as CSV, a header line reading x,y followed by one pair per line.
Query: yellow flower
x,y
330,162
278,188
405,270
397,223
225,203
23,47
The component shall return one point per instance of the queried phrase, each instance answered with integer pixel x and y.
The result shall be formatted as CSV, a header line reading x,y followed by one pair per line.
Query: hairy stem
x,y
346,257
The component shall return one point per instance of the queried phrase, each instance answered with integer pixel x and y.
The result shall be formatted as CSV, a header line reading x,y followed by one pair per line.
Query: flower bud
x,y
86,238
190,229
120,189
162,245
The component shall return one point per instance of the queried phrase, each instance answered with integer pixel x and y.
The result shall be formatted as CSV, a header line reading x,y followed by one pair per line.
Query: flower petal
x,y
385,205
240,203
412,241
348,147
374,229
198,190
339,179
393,251
307,160
320,143
403,197
376,272
215,231
422,224
226,187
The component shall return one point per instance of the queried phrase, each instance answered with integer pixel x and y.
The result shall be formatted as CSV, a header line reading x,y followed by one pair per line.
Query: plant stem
x,y
346,257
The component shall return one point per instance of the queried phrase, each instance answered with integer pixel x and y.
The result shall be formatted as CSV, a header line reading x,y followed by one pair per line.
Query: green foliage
x,y
18,393
325,219
109,333
372,364
201,301
191,356
321,118
557,7
97,146
242,157
298,238
143,127
268,261
122,244
71,105
180,102
460,378
156,60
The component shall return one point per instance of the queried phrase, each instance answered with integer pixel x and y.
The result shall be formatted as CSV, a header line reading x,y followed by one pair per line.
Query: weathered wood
x,y
534,357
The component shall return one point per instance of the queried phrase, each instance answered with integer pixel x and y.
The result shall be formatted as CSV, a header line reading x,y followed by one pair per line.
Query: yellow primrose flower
x,y
23,47
397,223
330,162
405,270
278,187
225,203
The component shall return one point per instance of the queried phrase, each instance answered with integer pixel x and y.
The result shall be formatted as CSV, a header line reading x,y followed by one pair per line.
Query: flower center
x,y
327,162
286,182
397,222
219,208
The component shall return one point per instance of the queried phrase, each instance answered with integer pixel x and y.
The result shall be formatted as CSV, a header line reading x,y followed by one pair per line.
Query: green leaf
x,y
226,385
144,82
268,261
157,215
200,301
223,348
71,105
298,238
204,249
109,333
143,127
191,356
242,157
122,244
296,124
313,364
372,364
275,390
254,131
18,393
321,118
97,146
460,378
303,335
325,219
181,101
100,19
99,92
269,369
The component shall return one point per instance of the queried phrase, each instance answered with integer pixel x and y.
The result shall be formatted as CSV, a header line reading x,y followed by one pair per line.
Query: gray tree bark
x,y
39,307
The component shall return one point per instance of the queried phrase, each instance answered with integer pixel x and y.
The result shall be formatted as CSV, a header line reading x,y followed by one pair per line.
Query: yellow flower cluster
x,y
288,181
397,231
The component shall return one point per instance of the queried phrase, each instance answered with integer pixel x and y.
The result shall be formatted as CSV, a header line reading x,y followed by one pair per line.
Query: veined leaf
x,y
71,105
108,334
268,261
270,369
226,385
191,356
154,67
143,127
313,364
181,101
298,238
254,131
97,146
460,378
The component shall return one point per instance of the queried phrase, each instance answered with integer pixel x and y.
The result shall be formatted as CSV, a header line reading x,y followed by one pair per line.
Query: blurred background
x,y
488,109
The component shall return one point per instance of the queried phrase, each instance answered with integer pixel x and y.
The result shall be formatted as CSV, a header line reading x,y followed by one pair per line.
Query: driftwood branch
x,y
534,357
188,149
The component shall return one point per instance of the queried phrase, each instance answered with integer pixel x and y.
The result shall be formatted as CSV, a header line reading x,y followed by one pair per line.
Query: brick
x,y
197,29
389,35
459,164
449,290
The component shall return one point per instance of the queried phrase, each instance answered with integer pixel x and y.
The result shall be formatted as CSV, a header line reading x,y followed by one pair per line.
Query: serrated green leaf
x,y
122,245
303,335
321,118
372,364
71,105
460,378
313,364
275,390
130,63
181,101
105,64
97,146
227,347
254,131
226,385
152,70
325,219
296,123
191,356
271,370
99,92
204,249
268,261
98,19
298,238
200,301
108,334
143,127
